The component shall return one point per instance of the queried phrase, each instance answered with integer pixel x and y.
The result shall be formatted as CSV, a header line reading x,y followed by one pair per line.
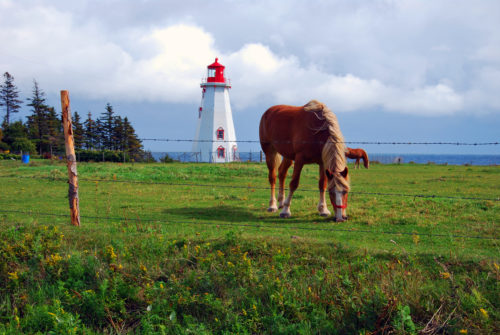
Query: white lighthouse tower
x,y
215,138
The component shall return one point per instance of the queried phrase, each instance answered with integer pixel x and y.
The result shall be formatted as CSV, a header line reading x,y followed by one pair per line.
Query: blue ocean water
x,y
381,158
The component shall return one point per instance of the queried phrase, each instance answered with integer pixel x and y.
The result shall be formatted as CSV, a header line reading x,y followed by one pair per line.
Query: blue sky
x,y
404,71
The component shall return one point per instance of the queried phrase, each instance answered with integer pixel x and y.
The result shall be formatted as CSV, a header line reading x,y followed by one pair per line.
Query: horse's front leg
x,y
322,207
286,213
282,172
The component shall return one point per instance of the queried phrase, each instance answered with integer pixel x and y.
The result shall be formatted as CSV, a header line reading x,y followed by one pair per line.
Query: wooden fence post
x,y
74,205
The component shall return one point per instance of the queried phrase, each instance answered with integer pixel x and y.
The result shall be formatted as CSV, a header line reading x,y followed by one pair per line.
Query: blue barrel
x,y
25,159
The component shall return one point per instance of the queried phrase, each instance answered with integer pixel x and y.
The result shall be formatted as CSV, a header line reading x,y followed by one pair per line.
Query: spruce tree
x,y
132,143
38,123
118,134
78,131
9,98
107,124
90,128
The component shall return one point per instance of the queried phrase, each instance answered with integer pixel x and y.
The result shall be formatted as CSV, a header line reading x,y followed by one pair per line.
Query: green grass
x,y
179,248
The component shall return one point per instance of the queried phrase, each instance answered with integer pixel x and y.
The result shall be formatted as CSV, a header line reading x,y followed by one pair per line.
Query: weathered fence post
x,y
74,205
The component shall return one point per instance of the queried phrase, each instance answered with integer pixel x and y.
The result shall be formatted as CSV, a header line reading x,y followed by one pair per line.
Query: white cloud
x,y
66,52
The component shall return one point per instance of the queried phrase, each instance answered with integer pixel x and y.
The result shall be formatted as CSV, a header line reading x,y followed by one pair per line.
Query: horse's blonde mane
x,y
333,154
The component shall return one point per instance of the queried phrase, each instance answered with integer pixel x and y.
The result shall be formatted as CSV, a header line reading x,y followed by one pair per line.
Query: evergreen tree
x,y
119,140
78,131
9,98
99,135
90,128
55,135
107,130
132,143
38,127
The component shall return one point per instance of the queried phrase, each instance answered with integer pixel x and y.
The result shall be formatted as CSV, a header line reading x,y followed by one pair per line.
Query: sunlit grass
x,y
179,248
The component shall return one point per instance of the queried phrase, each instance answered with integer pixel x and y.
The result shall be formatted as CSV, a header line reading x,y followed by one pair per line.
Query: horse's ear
x,y
345,172
329,174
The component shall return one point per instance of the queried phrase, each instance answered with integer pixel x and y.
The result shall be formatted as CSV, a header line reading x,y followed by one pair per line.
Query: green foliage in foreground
x,y
233,285
174,259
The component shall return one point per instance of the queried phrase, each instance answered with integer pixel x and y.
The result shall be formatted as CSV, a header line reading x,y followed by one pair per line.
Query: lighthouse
x,y
215,139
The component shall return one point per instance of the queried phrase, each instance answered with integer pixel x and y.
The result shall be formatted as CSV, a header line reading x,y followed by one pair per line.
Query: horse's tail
x,y
366,162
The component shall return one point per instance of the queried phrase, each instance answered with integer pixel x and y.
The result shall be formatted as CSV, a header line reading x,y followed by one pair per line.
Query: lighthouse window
x,y
220,133
211,72
221,152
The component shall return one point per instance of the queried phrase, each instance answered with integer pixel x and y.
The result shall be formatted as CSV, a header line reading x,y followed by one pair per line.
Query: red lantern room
x,y
216,73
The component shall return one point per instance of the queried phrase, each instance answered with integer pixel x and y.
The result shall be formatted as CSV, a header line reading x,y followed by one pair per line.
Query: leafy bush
x,y
10,156
23,145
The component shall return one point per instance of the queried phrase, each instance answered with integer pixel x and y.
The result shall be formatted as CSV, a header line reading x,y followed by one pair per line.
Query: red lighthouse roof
x,y
216,72
216,64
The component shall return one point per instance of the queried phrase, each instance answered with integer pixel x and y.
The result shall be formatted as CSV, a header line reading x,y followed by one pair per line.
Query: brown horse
x,y
358,154
305,134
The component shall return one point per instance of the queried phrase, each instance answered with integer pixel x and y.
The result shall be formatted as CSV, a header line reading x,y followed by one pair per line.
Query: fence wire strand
x,y
249,187
234,224
345,142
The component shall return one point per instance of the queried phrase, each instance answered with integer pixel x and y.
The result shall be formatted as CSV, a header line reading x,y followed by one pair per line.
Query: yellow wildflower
x,y
497,267
110,252
309,289
161,285
445,275
220,253
13,275
244,312
143,268
254,307
230,264
484,312
463,331
53,259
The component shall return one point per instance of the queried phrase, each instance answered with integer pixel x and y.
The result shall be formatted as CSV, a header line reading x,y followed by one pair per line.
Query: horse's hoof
x,y
324,214
272,209
345,217
338,220
285,215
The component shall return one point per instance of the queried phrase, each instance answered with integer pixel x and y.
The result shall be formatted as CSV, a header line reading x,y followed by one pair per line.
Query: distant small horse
x,y
357,154
305,134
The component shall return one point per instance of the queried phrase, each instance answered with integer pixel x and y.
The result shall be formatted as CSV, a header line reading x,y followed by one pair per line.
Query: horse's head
x,y
338,188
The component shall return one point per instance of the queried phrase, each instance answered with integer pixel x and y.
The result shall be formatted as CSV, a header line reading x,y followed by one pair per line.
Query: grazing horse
x,y
305,134
357,154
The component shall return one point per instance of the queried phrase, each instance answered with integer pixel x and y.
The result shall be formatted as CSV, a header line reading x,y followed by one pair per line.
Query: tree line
x,y
42,132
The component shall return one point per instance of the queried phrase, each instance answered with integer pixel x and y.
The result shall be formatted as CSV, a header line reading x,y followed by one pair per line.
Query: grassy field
x,y
189,248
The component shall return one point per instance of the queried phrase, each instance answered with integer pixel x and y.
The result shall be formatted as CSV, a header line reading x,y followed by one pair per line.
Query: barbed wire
x,y
345,142
250,187
234,224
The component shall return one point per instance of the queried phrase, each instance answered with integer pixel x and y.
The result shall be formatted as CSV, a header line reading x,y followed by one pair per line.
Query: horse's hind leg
x,y
322,207
356,165
282,172
272,161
